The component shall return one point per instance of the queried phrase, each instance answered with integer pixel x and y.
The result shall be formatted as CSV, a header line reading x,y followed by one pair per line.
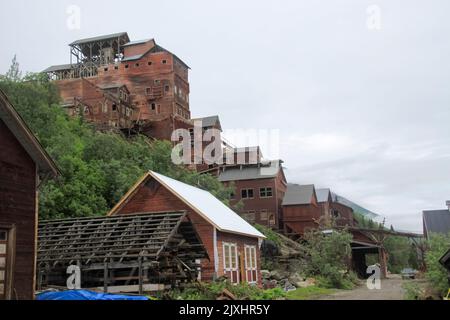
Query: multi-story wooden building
x,y
259,188
301,210
23,162
156,81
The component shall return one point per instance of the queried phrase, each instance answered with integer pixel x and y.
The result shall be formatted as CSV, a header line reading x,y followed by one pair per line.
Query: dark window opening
x,y
164,61
126,66
153,106
265,192
114,107
149,63
137,64
116,67
106,69
167,88
247,193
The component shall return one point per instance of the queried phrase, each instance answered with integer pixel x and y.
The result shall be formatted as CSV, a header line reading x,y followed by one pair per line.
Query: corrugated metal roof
x,y
99,38
437,221
135,57
58,68
356,207
323,194
136,42
250,172
209,207
209,121
298,194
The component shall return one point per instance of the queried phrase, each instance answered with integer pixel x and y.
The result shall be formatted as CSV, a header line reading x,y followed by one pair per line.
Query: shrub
x,y
328,258
436,274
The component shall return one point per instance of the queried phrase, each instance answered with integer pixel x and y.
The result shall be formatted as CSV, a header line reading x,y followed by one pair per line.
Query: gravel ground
x,y
391,289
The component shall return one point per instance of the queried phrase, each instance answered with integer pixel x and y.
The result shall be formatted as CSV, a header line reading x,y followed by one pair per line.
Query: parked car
x,y
409,273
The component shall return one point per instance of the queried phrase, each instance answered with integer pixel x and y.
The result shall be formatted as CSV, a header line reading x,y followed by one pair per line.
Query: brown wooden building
x,y
260,188
23,161
301,210
232,244
156,78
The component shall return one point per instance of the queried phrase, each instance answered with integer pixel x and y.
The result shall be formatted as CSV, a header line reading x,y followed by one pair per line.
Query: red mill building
x,y
117,83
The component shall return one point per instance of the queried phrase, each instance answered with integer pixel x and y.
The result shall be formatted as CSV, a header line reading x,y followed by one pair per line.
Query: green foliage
x,y
436,274
328,257
211,290
97,168
413,291
308,293
269,233
401,254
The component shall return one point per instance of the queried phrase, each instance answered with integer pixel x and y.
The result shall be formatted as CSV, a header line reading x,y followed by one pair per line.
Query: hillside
x,y
98,168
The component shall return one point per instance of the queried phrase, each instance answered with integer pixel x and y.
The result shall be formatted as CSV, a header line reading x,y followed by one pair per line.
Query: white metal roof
x,y
209,207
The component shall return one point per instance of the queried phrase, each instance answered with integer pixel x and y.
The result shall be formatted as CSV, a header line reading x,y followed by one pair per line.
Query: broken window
x,y
263,215
265,192
247,193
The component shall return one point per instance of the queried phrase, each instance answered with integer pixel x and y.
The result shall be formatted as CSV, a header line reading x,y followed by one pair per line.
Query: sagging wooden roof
x,y
26,138
119,239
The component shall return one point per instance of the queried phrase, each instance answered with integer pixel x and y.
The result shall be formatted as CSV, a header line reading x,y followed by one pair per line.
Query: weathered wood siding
x,y
153,197
18,206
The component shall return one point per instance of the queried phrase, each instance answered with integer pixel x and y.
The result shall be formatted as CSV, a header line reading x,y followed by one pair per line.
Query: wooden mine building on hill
x,y
116,83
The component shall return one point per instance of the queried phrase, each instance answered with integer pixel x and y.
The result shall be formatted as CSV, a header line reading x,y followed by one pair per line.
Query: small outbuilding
x,y
23,164
232,244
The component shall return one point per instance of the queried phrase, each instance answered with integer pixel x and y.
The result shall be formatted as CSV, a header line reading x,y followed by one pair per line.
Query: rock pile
x,y
285,280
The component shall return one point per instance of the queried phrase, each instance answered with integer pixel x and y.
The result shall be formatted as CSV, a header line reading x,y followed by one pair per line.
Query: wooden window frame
x,y
246,191
265,191
229,270
251,264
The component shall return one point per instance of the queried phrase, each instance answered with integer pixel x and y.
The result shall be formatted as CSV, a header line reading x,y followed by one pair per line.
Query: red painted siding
x,y
18,206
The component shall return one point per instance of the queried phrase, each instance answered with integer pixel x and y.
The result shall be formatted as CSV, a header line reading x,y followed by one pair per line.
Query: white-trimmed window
x,y
265,192
231,262
251,270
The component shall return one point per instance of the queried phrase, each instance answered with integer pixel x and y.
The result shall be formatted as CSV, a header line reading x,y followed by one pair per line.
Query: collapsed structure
x,y
144,252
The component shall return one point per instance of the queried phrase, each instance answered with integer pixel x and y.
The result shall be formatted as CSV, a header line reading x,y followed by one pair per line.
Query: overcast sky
x,y
359,90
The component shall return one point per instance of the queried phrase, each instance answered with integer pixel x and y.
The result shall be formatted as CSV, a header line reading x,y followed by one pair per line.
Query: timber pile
x,y
125,253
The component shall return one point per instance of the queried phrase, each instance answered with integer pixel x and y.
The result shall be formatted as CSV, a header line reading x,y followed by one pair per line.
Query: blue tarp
x,y
84,295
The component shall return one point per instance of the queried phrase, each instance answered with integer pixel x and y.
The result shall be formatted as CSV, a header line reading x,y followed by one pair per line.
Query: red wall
x,y
18,206
152,197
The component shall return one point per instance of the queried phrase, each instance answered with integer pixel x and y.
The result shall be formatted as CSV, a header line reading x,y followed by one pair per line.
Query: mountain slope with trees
x,y
97,167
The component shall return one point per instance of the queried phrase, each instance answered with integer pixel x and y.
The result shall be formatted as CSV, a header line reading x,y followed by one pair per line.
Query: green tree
x,y
329,255
97,168
438,244
14,74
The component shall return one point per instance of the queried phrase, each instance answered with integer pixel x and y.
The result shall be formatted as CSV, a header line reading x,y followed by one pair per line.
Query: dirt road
x,y
391,289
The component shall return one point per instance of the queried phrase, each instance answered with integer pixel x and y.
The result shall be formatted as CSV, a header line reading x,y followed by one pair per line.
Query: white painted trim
x,y
216,253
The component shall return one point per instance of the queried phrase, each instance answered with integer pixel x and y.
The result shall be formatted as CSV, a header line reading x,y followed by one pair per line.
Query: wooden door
x,y
3,262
